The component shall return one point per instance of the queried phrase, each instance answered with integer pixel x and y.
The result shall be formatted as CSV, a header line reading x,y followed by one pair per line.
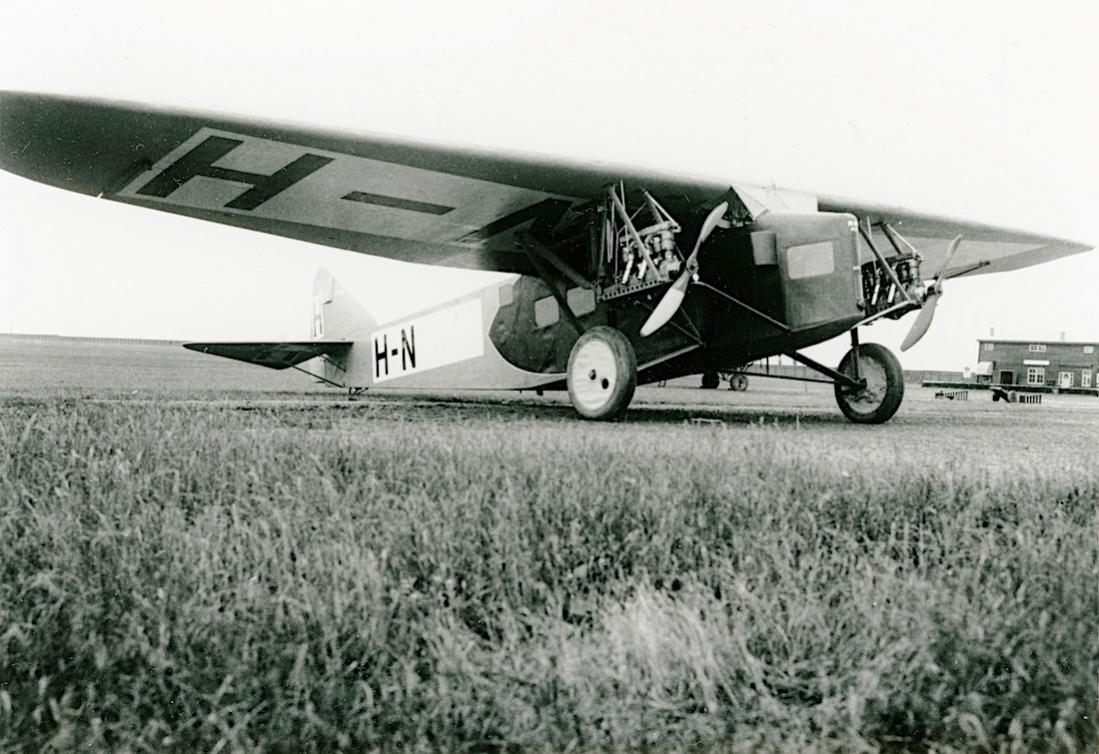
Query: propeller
x,y
673,297
931,298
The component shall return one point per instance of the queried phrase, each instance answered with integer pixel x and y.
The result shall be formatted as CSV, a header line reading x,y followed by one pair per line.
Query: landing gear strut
x,y
602,373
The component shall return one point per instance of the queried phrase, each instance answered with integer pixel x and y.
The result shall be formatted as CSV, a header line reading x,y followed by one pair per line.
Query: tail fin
x,y
337,316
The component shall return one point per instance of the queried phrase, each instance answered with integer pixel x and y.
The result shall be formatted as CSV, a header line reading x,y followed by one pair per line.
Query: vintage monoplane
x,y
621,276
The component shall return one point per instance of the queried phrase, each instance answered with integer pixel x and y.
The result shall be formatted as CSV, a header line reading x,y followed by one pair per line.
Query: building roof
x,y
1018,341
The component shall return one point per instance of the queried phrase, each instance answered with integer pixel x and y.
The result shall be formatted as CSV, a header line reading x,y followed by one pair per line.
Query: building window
x,y
1085,378
1037,347
1089,349
1036,375
990,346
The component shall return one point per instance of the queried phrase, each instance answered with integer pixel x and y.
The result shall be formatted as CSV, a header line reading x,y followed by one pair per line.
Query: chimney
x,y
1062,336
992,332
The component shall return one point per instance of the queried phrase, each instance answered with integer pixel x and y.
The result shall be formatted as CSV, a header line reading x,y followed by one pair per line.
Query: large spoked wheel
x,y
881,397
602,374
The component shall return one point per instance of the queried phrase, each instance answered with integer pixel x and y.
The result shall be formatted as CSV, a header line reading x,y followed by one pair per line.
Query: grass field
x,y
195,568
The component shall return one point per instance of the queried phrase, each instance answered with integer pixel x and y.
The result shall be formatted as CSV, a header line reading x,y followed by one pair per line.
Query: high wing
x,y
386,197
272,355
984,249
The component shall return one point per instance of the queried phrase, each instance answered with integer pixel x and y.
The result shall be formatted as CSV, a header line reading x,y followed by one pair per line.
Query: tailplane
x,y
338,319
274,355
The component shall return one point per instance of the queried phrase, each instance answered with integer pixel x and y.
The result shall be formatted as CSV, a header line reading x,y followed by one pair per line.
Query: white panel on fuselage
x,y
446,336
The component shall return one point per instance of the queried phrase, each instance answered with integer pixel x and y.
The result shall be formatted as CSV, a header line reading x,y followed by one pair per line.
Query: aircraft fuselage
x,y
783,283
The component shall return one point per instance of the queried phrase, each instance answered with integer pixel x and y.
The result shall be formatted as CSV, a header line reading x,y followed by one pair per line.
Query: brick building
x,y
1038,364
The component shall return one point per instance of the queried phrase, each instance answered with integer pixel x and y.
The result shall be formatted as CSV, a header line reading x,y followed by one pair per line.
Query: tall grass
x,y
202,578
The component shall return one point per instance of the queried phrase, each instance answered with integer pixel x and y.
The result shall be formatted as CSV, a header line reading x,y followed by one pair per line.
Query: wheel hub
x,y
595,361
876,383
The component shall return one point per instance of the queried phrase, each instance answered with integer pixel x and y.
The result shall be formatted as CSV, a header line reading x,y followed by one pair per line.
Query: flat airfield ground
x,y
1061,431
205,554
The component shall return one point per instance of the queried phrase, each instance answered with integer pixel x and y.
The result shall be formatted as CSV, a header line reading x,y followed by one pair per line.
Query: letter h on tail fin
x,y
337,316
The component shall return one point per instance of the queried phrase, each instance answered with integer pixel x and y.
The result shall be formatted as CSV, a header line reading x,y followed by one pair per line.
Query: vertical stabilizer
x,y
337,316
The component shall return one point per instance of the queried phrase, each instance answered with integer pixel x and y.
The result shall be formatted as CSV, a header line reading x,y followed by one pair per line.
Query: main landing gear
x,y
602,373
883,384
869,383
602,377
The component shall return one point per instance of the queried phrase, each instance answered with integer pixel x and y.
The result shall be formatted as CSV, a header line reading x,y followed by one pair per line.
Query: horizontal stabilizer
x,y
272,355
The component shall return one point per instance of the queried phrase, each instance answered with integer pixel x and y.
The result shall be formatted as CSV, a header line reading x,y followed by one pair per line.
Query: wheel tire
x,y
884,390
738,382
602,374
710,380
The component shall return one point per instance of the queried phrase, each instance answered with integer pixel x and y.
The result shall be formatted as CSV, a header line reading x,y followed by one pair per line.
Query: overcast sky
x,y
979,110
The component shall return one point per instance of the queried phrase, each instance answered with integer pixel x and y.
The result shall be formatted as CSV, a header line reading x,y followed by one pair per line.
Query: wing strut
x,y
868,237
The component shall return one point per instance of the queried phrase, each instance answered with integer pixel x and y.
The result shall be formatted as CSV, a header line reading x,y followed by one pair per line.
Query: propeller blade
x,y
673,297
668,305
935,292
712,221
949,254
923,321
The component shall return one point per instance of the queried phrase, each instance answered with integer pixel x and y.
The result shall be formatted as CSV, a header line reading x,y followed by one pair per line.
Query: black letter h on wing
x,y
201,159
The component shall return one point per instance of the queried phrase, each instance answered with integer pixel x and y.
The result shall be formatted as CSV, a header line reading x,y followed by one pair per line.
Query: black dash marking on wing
x,y
398,203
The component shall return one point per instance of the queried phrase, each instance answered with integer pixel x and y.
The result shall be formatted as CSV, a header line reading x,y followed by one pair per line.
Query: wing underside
x,y
377,195
984,248
413,202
